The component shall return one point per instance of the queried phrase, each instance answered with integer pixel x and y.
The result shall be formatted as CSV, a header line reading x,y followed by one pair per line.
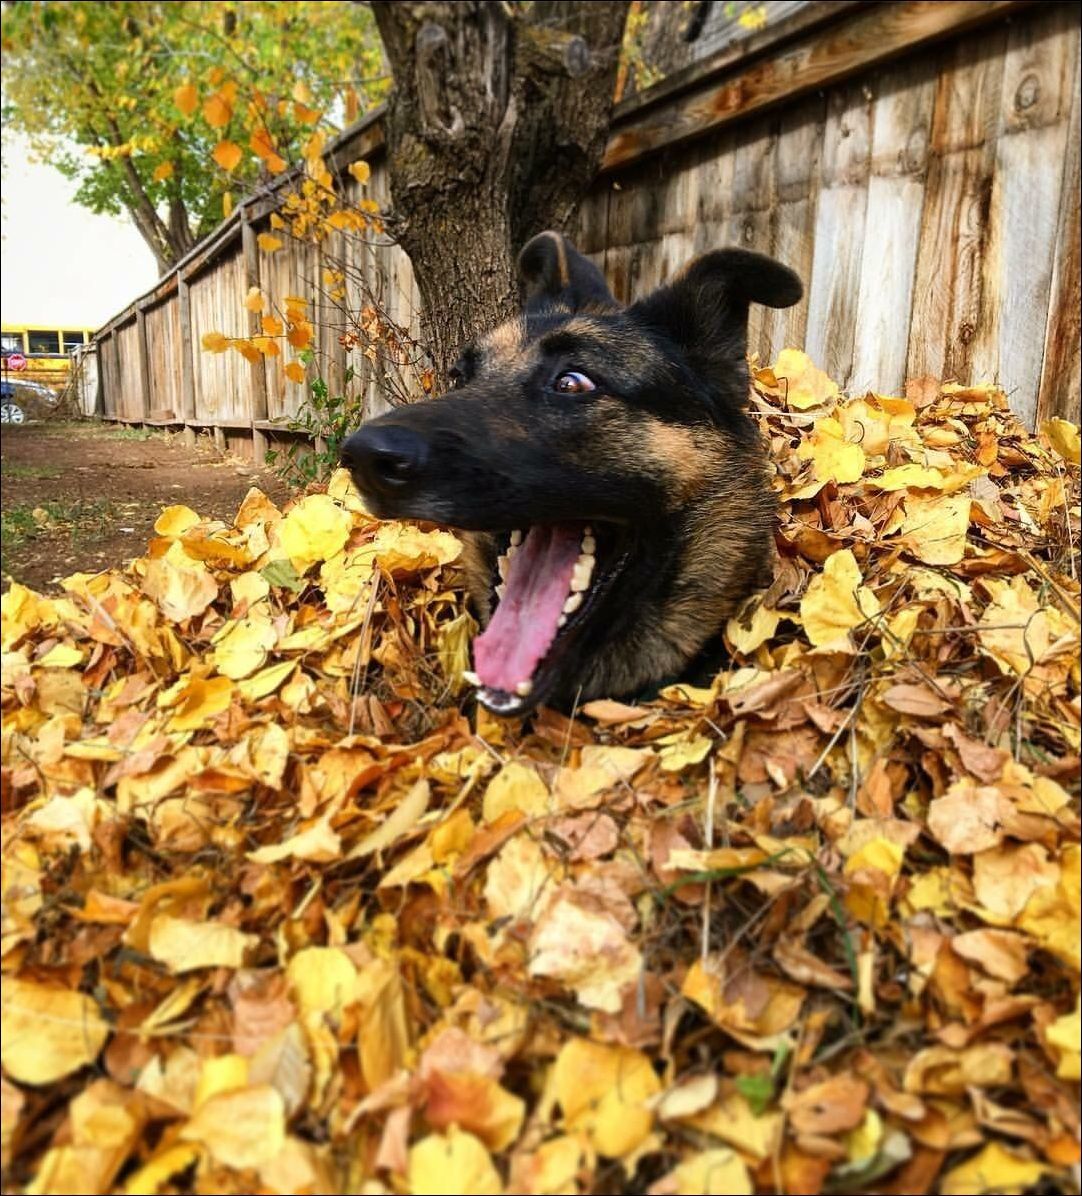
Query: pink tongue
x,y
538,583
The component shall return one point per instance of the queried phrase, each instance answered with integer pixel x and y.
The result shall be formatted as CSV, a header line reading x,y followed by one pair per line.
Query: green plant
x,y
325,419
83,521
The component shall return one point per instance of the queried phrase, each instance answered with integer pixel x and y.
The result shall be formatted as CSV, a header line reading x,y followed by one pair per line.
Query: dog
x,y
612,491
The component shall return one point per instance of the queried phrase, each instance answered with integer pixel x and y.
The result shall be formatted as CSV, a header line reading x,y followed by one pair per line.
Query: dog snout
x,y
385,459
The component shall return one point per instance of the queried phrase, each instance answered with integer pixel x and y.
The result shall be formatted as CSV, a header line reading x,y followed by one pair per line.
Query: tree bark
x,y
495,129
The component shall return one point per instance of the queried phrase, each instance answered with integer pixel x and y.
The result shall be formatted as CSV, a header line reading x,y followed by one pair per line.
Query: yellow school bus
x,y
47,350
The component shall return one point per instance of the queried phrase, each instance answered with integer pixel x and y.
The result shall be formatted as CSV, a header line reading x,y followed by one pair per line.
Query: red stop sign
x,y
15,361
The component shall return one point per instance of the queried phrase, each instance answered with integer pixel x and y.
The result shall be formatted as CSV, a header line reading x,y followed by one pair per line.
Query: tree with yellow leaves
x,y
163,110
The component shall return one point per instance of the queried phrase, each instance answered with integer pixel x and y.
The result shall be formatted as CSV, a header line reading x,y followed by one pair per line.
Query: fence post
x,y
259,407
144,361
187,361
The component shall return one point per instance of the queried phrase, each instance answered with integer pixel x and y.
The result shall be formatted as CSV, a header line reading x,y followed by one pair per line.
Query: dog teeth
x,y
516,538
501,589
581,574
589,544
572,604
524,688
470,677
501,564
561,621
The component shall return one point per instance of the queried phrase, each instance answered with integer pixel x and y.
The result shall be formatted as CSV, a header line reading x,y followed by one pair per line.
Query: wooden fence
x,y
916,163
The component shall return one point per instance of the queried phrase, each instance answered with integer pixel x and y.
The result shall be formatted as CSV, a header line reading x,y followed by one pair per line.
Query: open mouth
x,y
549,582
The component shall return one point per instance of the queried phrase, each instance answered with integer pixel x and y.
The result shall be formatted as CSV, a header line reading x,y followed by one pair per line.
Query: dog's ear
x,y
705,307
553,270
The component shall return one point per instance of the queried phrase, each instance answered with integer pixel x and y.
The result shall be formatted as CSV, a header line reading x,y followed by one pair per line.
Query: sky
x,y
60,265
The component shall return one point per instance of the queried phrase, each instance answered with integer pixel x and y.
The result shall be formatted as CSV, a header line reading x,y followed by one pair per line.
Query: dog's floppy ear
x,y
705,307
552,269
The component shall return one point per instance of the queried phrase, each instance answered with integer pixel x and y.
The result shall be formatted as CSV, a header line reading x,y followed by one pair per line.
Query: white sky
x,y
60,265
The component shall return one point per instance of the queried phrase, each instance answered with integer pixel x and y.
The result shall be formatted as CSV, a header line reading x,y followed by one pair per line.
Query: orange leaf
x,y
254,300
300,335
162,172
306,115
217,111
262,143
361,171
295,371
269,243
248,351
272,326
267,346
227,154
215,342
186,99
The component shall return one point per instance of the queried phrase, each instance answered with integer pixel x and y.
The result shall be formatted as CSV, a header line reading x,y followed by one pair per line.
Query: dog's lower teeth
x,y
501,589
589,544
501,564
561,621
524,688
470,677
572,604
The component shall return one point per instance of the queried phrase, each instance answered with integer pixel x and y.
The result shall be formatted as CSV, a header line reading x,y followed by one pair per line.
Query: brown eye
x,y
573,383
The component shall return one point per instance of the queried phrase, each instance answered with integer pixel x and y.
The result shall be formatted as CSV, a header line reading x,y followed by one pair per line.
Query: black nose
x,y
385,458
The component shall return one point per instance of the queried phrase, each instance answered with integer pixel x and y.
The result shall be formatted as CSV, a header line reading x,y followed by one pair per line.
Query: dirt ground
x,y
82,496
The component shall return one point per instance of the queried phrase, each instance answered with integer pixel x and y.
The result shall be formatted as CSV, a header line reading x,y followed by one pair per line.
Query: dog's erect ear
x,y
705,307
552,269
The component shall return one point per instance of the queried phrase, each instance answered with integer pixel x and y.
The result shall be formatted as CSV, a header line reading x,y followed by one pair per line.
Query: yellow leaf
x,y
163,171
269,243
516,788
1065,438
718,1172
935,527
215,342
323,979
160,1168
277,222
183,945
255,300
1064,1035
361,171
227,154
241,1129
994,1169
174,521
923,477
314,530
241,645
181,590
833,458
217,110
318,842
186,98
201,702
294,371
47,1032
227,204
803,384
452,1162
605,1093
836,603
401,819
746,635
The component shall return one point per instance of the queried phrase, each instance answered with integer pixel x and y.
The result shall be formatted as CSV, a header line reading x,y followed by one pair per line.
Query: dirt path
x,y
78,496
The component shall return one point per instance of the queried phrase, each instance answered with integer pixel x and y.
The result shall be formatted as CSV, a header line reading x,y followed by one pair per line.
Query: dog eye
x,y
573,383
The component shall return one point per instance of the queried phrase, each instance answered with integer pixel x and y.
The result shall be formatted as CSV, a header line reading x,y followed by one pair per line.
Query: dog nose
x,y
384,459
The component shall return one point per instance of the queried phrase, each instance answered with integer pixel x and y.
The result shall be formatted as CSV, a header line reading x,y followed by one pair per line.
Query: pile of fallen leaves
x,y
284,913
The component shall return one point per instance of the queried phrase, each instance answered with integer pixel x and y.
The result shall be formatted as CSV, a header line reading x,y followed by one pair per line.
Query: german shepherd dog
x,y
612,489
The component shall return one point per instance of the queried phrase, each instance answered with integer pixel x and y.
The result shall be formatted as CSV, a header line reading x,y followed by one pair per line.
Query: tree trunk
x,y
495,129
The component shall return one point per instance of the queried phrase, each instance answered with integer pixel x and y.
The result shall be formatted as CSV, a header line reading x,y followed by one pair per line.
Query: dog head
x,y
602,463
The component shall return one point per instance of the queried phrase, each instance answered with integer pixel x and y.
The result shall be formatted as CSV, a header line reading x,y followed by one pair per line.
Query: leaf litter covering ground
x,y
813,928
